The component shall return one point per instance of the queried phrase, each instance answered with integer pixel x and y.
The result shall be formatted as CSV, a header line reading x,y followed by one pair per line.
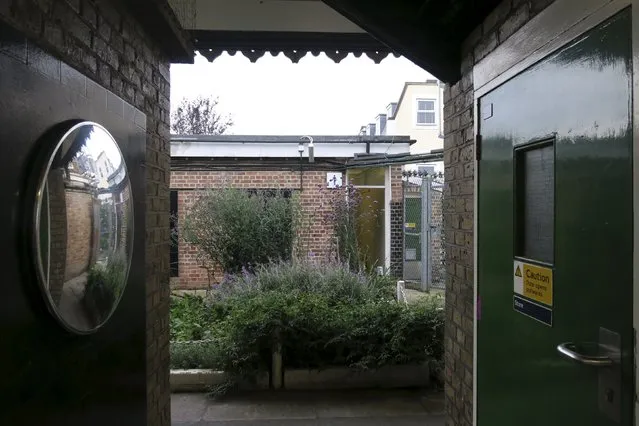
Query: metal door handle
x,y
569,351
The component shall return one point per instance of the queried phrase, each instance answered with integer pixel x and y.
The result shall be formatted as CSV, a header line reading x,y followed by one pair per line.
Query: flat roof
x,y
322,139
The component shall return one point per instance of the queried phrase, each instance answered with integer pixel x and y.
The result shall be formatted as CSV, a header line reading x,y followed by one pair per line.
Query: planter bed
x,y
394,376
201,380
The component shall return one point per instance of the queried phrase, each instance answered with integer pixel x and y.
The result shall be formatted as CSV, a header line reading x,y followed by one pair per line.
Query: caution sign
x,y
533,282
518,271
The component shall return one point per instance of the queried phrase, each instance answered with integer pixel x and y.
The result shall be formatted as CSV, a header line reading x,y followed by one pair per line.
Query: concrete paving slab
x,y
259,411
357,421
311,408
388,407
188,407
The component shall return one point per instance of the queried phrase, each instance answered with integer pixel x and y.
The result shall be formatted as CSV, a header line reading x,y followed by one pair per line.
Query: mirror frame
x,y
50,143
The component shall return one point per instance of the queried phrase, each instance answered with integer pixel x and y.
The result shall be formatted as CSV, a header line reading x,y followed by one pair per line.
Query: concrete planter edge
x,y
394,376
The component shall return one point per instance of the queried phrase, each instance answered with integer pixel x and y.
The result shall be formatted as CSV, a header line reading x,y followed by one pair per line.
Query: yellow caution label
x,y
534,282
411,225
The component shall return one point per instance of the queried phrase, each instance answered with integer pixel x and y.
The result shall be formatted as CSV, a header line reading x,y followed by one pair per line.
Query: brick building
x,y
371,164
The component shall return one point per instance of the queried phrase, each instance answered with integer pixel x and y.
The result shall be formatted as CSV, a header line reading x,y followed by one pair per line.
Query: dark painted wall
x,y
49,376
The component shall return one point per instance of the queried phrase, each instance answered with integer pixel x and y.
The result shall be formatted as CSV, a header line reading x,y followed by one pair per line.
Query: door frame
x,y
562,21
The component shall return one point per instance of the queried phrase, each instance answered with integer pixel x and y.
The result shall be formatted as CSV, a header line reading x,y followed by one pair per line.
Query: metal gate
x,y
423,267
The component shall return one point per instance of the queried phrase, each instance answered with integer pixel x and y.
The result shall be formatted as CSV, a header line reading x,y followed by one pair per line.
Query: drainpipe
x,y
300,149
440,113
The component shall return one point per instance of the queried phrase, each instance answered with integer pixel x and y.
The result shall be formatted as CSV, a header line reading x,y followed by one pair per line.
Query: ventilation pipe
x,y
311,148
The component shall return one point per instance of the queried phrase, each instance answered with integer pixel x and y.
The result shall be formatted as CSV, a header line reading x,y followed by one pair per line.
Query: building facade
x,y
274,163
418,112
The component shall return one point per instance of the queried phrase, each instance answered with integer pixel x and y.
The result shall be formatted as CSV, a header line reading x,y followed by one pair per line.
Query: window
x,y
367,177
270,193
426,112
535,201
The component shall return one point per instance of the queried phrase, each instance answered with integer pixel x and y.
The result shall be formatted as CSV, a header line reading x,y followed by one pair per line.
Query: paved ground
x,y
343,408
413,296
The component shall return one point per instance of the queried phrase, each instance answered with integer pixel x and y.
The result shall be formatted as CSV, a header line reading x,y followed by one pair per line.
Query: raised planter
x,y
394,376
202,380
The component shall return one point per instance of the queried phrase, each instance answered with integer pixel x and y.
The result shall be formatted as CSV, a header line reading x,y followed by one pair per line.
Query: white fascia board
x,y
281,150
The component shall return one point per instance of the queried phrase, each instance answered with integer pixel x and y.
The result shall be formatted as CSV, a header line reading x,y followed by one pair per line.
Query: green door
x,y
555,213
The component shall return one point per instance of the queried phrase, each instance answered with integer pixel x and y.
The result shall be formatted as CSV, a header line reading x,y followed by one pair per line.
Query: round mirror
x,y
84,227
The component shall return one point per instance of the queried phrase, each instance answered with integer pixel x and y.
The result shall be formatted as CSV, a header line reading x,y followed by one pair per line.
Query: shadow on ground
x,y
335,408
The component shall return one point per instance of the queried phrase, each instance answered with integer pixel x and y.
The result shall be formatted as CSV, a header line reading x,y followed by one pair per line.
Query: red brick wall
x,y
396,184
316,236
315,239
57,233
397,223
79,232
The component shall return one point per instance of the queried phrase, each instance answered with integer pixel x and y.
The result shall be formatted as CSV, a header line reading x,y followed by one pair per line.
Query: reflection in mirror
x,y
84,228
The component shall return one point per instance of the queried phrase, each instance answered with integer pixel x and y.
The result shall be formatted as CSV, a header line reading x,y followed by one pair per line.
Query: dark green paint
x,y
582,96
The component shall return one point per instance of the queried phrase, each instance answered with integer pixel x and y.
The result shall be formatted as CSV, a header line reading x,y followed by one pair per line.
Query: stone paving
x,y
342,408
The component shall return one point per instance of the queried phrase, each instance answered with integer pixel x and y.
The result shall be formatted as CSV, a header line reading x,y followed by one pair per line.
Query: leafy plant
x,y
322,315
238,230
195,354
105,282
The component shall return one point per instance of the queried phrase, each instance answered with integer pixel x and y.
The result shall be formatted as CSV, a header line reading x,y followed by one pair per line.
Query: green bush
x,y
105,282
190,318
322,315
238,230
195,354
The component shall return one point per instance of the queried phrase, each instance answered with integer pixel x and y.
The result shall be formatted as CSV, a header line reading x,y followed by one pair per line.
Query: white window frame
x,y
417,111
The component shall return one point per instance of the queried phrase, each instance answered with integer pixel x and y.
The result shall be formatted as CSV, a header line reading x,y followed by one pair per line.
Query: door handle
x,y
569,350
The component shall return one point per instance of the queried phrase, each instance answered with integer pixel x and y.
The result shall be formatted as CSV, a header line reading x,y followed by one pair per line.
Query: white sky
x,y
316,96
100,142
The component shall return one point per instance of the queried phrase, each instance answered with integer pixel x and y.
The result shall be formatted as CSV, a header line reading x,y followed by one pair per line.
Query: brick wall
x,y
438,276
397,223
316,238
458,203
107,45
80,217
57,233
397,239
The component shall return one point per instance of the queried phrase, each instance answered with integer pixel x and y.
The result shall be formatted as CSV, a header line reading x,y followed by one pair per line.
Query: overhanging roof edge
x,y
293,44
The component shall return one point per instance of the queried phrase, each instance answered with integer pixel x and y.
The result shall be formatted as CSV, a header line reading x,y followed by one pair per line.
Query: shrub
x,y
105,282
195,354
236,229
192,318
333,280
323,316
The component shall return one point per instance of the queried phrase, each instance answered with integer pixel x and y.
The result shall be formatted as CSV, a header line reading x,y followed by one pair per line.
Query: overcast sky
x,y
315,96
